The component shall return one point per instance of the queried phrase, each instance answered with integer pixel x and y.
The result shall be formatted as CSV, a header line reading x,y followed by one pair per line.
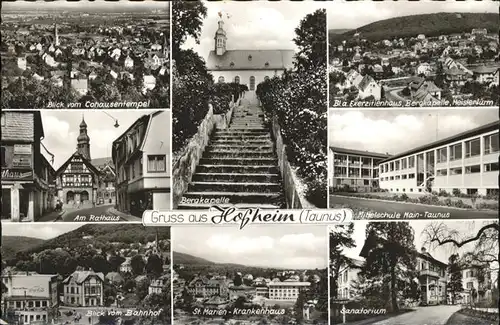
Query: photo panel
x,y
84,166
103,54
415,164
257,275
69,273
414,272
249,104
423,53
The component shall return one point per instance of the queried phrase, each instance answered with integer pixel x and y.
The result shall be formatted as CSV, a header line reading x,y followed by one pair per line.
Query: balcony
x,y
429,273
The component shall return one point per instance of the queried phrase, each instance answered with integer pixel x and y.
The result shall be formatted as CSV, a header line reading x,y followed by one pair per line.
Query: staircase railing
x,y
293,198
186,163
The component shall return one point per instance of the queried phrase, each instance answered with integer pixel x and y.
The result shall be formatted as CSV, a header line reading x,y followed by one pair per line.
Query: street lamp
x,y
116,121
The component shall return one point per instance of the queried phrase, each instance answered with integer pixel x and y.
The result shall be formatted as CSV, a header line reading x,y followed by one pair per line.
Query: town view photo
x,y
426,53
61,54
257,275
63,273
85,166
249,104
442,272
418,163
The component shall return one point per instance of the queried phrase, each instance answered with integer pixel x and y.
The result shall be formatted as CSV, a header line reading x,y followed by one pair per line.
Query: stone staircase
x,y
239,166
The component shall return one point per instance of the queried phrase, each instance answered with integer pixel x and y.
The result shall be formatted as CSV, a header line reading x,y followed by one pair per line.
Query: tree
x,y
154,265
311,41
406,92
238,279
340,239
455,284
299,306
137,264
188,19
390,254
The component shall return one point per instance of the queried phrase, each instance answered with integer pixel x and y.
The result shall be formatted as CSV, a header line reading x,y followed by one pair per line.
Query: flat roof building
x,y
467,161
354,169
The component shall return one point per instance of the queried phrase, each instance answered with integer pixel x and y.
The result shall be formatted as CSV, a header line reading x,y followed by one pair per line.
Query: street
x,y
395,207
432,315
82,215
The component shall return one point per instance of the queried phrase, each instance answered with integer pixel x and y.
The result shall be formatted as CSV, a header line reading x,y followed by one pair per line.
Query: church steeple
x,y
56,35
220,39
83,140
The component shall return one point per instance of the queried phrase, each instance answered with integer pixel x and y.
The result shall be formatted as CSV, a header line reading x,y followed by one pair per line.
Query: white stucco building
x,y
467,161
245,66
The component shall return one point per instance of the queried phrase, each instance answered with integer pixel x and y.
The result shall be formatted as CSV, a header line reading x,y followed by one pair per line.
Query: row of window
x,y
463,150
28,304
398,177
493,167
156,164
237,80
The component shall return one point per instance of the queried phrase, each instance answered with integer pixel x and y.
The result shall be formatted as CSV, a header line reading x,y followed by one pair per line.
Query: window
x,y
398,177
140,166
490,143
221,79
249,58
3,119
442,172
237,79
456,171
404,176
366,182
456,151
411,162
157,163
472,169
441,155
396,164
392,178
252,83
493,167
391,166
266,64
411,176
404,163
471,191
231,64
472,148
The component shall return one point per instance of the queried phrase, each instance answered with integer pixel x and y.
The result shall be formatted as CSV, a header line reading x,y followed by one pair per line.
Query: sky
x,y
273,246
63,127
253,25
394,131
100,4
441,253
38,230
351,15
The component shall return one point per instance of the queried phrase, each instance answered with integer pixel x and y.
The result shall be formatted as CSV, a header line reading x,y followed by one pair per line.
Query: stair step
x,y
242,132
240,136
234,187
240,146
239,161
199,206
238,197
236,177
238,154
242,142
244,169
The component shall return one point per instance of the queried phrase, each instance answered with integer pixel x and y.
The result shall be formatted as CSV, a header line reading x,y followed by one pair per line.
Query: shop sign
x,y
22,149
16,174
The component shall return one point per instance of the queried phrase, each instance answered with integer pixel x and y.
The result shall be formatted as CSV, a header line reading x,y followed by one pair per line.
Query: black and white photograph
x,y
423,53
61,273
419,163
257,275
249,104
81,54
414,272
85,166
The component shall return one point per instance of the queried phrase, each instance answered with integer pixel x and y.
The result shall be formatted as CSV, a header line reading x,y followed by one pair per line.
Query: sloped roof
x,y
84,160
359,152
20,125
81,276
485,69
102,162
365,82
251,60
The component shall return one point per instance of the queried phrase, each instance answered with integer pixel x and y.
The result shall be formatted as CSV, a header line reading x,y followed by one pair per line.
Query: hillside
x,y
427,24
103,234
182,258
13,244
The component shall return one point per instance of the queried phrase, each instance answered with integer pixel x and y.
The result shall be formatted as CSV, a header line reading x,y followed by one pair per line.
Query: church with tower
x,y
77,180
245,66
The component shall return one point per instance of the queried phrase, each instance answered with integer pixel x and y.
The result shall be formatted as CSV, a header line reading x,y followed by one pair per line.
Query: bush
x,y
404,197
487,206
448,202
221,97
456,192
443,193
